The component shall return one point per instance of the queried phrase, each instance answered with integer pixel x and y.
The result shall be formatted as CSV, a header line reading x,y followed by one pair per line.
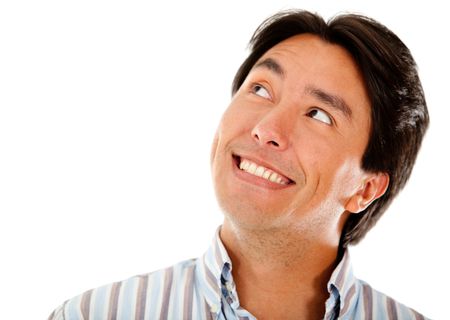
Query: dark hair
x,y
399,111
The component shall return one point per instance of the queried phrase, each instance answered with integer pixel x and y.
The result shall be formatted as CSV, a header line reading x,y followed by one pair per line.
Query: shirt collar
x,y
210,268
342,287
215,262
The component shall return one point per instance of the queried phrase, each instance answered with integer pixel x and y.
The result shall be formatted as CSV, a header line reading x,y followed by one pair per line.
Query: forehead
x,y
310,53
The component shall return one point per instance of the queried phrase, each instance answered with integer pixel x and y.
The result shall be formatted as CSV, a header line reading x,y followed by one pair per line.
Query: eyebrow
x,y
272,65
331,100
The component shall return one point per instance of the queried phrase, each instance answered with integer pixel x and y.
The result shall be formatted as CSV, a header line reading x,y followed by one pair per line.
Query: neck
x,y
285,266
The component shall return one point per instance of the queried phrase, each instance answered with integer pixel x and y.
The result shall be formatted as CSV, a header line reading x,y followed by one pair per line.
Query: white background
x,y
107,113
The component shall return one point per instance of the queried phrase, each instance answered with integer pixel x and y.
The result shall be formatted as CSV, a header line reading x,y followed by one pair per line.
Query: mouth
x,y
260,171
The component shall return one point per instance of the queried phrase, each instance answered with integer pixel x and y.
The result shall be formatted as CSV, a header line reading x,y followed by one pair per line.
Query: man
x,y
322,132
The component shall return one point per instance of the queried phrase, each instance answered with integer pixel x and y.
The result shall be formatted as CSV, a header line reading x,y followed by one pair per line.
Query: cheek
x,y
222,137
346,181
235,122
214,147
315,153
328,167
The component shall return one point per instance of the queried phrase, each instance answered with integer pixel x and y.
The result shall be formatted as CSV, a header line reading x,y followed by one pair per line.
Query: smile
x,y
260,171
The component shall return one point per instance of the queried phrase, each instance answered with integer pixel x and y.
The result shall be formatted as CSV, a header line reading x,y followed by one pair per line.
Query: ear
x,y
373,187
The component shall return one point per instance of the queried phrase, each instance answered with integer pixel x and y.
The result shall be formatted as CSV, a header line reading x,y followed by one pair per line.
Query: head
x,y
337,114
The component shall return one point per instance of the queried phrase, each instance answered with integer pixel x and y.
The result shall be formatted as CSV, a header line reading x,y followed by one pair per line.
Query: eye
x,y
261,91
320,115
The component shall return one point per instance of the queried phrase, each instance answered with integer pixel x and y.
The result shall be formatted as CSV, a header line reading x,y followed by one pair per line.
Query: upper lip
x,y
263,163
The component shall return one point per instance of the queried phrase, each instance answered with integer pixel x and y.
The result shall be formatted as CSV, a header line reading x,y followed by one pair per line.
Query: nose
x,y
271,131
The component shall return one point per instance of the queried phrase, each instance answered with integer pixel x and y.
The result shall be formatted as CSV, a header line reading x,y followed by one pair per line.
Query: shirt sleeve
x,y
58,313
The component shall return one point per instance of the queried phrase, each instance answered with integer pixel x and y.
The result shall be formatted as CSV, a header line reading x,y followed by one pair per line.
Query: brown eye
x,y
261,91
320,115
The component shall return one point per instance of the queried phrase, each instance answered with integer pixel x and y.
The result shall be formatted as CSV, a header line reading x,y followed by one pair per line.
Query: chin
x,y
246,214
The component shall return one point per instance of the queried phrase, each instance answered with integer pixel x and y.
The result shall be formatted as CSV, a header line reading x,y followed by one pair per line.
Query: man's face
x,y
288,150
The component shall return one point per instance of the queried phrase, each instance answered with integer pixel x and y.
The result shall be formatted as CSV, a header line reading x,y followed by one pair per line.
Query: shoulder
x,y
374,304
128,299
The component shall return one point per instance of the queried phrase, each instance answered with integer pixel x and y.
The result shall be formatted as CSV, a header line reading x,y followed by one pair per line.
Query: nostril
x,y
274,143
267,139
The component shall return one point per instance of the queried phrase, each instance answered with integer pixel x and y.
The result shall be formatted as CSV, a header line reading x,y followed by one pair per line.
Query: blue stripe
x,y
100,302
127,298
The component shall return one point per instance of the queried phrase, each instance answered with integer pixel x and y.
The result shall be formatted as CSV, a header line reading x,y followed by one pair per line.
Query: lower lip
x,y
255,180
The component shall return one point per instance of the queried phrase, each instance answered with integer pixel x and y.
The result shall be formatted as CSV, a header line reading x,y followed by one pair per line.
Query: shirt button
x,y
214,308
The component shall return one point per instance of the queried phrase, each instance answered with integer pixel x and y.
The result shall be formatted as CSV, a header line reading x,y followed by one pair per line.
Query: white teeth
x,y
273,177
262,172
259,172
252,168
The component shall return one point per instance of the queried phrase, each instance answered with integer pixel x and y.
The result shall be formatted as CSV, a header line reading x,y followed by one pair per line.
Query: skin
x,y
283,239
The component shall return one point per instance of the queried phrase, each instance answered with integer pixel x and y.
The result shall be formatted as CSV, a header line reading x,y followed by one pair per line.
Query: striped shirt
x,y
203,288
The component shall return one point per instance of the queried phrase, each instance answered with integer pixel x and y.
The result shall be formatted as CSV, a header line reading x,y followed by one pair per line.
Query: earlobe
x,y
373,188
